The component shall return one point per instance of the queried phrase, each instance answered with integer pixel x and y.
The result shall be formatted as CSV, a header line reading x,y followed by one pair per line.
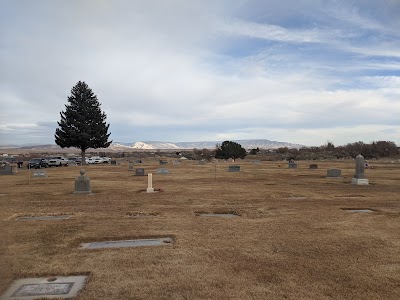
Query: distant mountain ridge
x,y
247,144
159,145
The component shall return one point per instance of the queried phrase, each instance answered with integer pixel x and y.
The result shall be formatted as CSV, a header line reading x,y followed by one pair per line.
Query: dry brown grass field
x,y
292,240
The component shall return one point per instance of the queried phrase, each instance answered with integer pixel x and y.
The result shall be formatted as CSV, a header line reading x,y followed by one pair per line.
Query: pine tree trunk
x,y
83,157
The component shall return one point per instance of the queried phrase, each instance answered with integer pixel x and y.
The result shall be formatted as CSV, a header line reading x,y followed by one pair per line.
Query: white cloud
x,y
196,70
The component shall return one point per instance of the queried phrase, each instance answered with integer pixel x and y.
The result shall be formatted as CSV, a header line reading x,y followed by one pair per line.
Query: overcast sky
x,y
300,71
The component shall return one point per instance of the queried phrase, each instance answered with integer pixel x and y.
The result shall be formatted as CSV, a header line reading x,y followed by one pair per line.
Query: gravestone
x,y
114,162
162,171
334,173
234,169
44,218
39,174
128,243
53,287
150,183
257,162
130,166
82,184
176,162
163,162
292,165
8,169
313,166
222,215
139,172
359,177
202,162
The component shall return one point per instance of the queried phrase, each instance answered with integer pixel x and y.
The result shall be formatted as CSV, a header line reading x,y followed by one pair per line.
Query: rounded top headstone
x,y
82,172
359,155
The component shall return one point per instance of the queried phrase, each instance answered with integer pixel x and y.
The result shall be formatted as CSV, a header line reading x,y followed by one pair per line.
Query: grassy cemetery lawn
x,y
283,233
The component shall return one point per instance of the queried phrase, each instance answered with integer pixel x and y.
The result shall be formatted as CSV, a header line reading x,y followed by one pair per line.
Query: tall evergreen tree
x,y
83,124
230,149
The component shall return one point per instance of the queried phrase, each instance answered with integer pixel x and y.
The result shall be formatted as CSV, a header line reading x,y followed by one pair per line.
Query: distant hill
x,y
155,145
248,144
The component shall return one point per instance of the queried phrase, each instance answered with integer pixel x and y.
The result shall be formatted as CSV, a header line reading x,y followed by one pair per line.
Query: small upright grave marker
x,y
163,162
359,177
234,169
334,173
292,165
130,166
7,169
150,183
114,162
313,166
39,174
162,171
82,184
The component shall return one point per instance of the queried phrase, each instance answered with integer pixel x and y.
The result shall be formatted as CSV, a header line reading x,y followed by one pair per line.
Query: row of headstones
x,y
82,184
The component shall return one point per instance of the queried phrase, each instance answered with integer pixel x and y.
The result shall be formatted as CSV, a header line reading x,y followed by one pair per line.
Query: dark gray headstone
x,y
163,162
113,162
313,166
292,165
359,177
130,166
234,169
360,165
139,172
334,173
82,184
8,170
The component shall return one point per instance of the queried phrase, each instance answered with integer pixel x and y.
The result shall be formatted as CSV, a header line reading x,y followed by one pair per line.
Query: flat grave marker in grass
x,y
44,218
234,169
217,214
128,243
54,287
358,210
296,198
142,215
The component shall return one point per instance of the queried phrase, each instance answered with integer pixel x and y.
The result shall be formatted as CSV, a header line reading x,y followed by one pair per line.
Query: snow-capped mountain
x,y
247,144
154,145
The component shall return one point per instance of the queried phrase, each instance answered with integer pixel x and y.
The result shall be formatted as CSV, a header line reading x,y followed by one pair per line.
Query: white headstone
x,y
150,183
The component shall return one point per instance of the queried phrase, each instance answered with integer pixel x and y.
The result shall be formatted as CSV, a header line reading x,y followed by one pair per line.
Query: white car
x,y
94,160
58,161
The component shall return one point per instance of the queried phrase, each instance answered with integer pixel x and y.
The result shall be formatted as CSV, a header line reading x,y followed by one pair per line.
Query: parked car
x,y
106,160
76,160
58,161
37,163
94,160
